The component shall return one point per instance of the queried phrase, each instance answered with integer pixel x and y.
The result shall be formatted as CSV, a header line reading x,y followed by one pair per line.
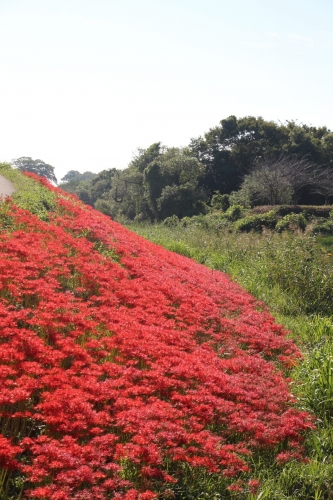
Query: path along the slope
x,y
6,187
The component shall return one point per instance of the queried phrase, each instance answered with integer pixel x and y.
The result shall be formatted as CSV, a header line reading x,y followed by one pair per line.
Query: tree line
x,y
247,161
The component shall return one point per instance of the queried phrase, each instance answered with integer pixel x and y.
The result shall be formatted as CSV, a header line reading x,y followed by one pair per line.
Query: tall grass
x,y
289,271
293,274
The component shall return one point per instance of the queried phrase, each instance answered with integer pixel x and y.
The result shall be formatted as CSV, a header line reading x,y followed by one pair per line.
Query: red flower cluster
x,y
121,361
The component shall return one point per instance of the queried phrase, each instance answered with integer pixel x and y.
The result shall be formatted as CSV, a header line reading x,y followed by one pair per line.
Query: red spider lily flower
x,y
120,362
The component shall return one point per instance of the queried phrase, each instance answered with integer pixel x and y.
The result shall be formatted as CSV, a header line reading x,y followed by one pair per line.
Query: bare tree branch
x,y
323,183
295,173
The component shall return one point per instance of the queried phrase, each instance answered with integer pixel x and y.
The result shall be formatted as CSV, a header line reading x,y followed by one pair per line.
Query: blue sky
x,y
84,83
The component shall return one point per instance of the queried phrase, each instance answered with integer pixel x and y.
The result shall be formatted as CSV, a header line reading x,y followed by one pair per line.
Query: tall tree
x,y
38,167
71,175
144,157
75,175
265,185
127,196
298,172
171,183
275,181
230,150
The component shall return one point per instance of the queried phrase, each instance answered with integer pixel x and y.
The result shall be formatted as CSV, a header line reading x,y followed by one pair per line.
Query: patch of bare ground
x,y
6,187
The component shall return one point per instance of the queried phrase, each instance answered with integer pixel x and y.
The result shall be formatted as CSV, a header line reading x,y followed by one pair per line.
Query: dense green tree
x,y
269,161
80,184
75,175
71,175
102,183
327,149
89,187
220,172
170,180
126,196
182,200
144,157
303,140
38,167
220,201
158,181
230,150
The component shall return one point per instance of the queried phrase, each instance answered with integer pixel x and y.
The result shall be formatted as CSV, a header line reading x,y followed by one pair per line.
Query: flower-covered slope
x,y
121,361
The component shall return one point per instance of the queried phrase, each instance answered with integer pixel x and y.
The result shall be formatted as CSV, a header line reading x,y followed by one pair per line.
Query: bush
x,y
257,222
171,221
324,227
103,206
234,213
220,201
291,221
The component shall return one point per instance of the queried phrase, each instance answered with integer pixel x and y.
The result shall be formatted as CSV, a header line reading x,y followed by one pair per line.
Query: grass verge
x,y
293,274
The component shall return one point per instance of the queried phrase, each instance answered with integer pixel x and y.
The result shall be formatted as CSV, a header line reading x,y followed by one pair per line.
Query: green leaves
x,y
38,167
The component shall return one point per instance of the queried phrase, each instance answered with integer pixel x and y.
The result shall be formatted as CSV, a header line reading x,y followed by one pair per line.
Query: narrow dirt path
x,y
6,187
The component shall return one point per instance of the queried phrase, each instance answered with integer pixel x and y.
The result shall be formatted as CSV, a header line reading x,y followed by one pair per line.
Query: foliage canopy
x,y
259,161
38,167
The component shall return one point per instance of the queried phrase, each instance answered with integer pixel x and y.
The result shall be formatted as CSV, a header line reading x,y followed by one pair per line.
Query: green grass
x,y
288,271
29,195
292,273
326,241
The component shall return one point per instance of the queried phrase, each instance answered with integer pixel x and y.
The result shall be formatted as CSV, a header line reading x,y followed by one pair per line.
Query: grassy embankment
x,y
292,272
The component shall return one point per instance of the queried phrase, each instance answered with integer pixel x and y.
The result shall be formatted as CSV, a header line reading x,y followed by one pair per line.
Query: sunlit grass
x,y
28,194
293,274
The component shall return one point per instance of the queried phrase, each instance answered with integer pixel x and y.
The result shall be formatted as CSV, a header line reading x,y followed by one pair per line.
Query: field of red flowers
x,y
120,362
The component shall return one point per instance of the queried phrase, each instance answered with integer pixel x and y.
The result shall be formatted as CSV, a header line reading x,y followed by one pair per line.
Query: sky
x,y
85,83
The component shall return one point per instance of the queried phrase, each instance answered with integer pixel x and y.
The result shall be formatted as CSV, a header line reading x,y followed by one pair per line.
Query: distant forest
x,y
246,161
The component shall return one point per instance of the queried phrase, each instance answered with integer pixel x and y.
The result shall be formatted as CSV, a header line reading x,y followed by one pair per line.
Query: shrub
x,y
324,227
171,221
220,201
103,206
291,221
234,212
257,222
